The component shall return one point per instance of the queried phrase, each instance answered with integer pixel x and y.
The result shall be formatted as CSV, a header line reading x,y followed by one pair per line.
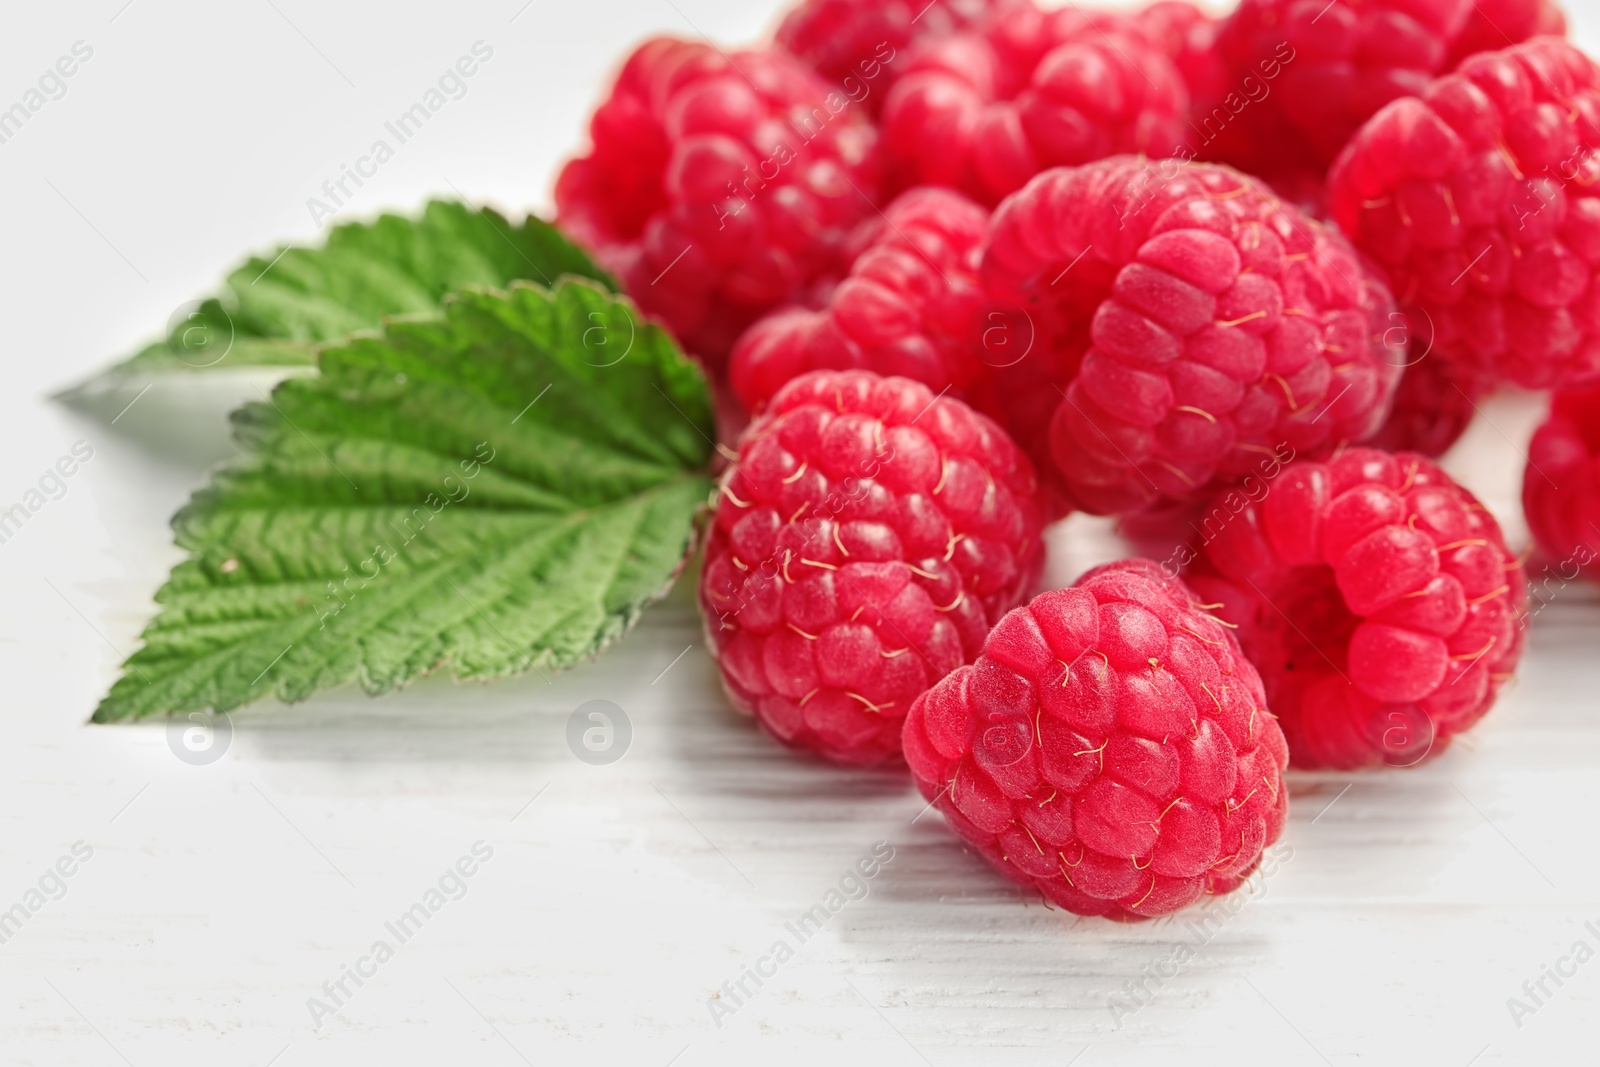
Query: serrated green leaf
x,y
275,308
501,488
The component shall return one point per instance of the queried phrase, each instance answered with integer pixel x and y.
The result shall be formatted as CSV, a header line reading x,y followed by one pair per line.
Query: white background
x,y
220,898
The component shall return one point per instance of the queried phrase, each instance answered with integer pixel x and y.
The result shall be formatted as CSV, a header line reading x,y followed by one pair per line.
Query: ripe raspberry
x,y
852,42
1323,69
1433,407
718,187
910,306
1479,198
913,306
1155,777
1220,326
1184,34
1561,487
866,539
1493,24
985,111
1378,600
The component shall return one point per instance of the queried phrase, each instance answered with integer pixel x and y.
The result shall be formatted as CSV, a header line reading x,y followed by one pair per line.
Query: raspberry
x,y
1561,487
913,306
718,187
1323,69
1154,778
909,307
1433,407
1378,600
1184,34
1218,325
850,42
866,538
985,111
1479,199
1494,23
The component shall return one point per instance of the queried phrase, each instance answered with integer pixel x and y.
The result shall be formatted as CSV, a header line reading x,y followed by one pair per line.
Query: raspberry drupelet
x,y
1479,198
1378,600
1561,486
984,111
1218,325
867,537
1111,747
719,186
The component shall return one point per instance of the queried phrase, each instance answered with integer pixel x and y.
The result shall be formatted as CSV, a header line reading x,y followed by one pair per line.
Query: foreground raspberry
x,y
718,187
1561,487
1221,326
1330,67
1378,600
985,111
1433,407
1479,197
852,42
1111,747
866,539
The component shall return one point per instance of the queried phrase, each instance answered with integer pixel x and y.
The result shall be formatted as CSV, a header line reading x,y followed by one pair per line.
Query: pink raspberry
x,y
1561,487
1492,24
1155,777
911,306
1377,598
1184,34
1320,70
1433,407
1479,198
985,111
1219,326
852,43
867,537
719,186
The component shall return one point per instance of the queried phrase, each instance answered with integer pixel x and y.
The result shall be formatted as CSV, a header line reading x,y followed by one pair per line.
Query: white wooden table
x,y
616,901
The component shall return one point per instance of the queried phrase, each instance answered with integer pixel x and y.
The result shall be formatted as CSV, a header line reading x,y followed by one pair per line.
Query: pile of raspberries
x,y
957,269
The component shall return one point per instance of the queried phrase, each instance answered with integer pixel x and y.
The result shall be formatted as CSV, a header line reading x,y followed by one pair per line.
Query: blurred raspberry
x,y
855,43
866,539
1111,748
1221,329
1313,72
719,186
1561,487
1184,34
985,111
1378,600
1479,199
1433,407
1493,24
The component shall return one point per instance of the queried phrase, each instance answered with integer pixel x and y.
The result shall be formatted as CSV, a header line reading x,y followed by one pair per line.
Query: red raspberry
x,y
851,42
867,537
1493,24
1156,776
984,112
1479,197
1378,600
1433,407
910,306
1561,487
913,306
1184,34
1220,325
719,186
1322,69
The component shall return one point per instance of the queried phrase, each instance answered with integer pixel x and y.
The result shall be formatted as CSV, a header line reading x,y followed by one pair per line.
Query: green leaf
x,y
500,488
275,308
